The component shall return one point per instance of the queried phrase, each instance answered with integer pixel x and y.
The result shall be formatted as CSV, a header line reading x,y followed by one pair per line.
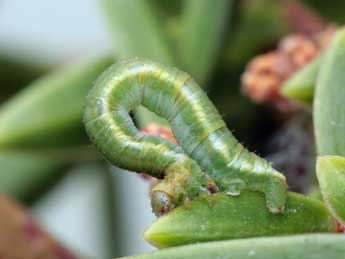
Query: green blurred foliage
x,y
259,24
331,10
49,111
15,73
24,175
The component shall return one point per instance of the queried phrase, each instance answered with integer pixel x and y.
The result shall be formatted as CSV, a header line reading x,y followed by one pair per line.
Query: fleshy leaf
x,y
223,217
331,175
329,101
312,246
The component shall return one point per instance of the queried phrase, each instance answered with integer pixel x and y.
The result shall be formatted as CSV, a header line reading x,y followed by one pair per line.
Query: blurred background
x,y
41,35
99,211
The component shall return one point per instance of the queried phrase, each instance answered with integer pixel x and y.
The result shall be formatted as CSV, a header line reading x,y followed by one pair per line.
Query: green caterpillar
x,y
209,158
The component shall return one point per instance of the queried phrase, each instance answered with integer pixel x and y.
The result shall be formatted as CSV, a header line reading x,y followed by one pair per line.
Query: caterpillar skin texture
x,y
209,157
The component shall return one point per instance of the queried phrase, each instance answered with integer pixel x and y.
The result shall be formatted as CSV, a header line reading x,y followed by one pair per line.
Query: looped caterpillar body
x,y
209,156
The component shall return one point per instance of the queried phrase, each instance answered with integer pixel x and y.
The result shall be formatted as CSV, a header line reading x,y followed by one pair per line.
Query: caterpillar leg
x,y
232,185
272,184
275,194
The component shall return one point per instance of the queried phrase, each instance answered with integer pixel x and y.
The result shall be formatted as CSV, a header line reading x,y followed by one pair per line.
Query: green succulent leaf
x,y
312,246
331,174
224,217
48,112
300,87
204,25
136,31
329,101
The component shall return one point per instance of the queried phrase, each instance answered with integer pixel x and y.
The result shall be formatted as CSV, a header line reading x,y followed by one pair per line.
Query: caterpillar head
x,y
161,202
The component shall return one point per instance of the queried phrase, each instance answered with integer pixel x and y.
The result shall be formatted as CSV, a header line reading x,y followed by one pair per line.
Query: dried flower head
x,y
266,73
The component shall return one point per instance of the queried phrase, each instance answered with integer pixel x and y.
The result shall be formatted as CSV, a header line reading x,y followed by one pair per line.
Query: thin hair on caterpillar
x,y
209,155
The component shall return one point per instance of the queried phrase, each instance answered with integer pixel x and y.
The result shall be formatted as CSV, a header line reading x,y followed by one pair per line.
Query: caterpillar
x,y
208,157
